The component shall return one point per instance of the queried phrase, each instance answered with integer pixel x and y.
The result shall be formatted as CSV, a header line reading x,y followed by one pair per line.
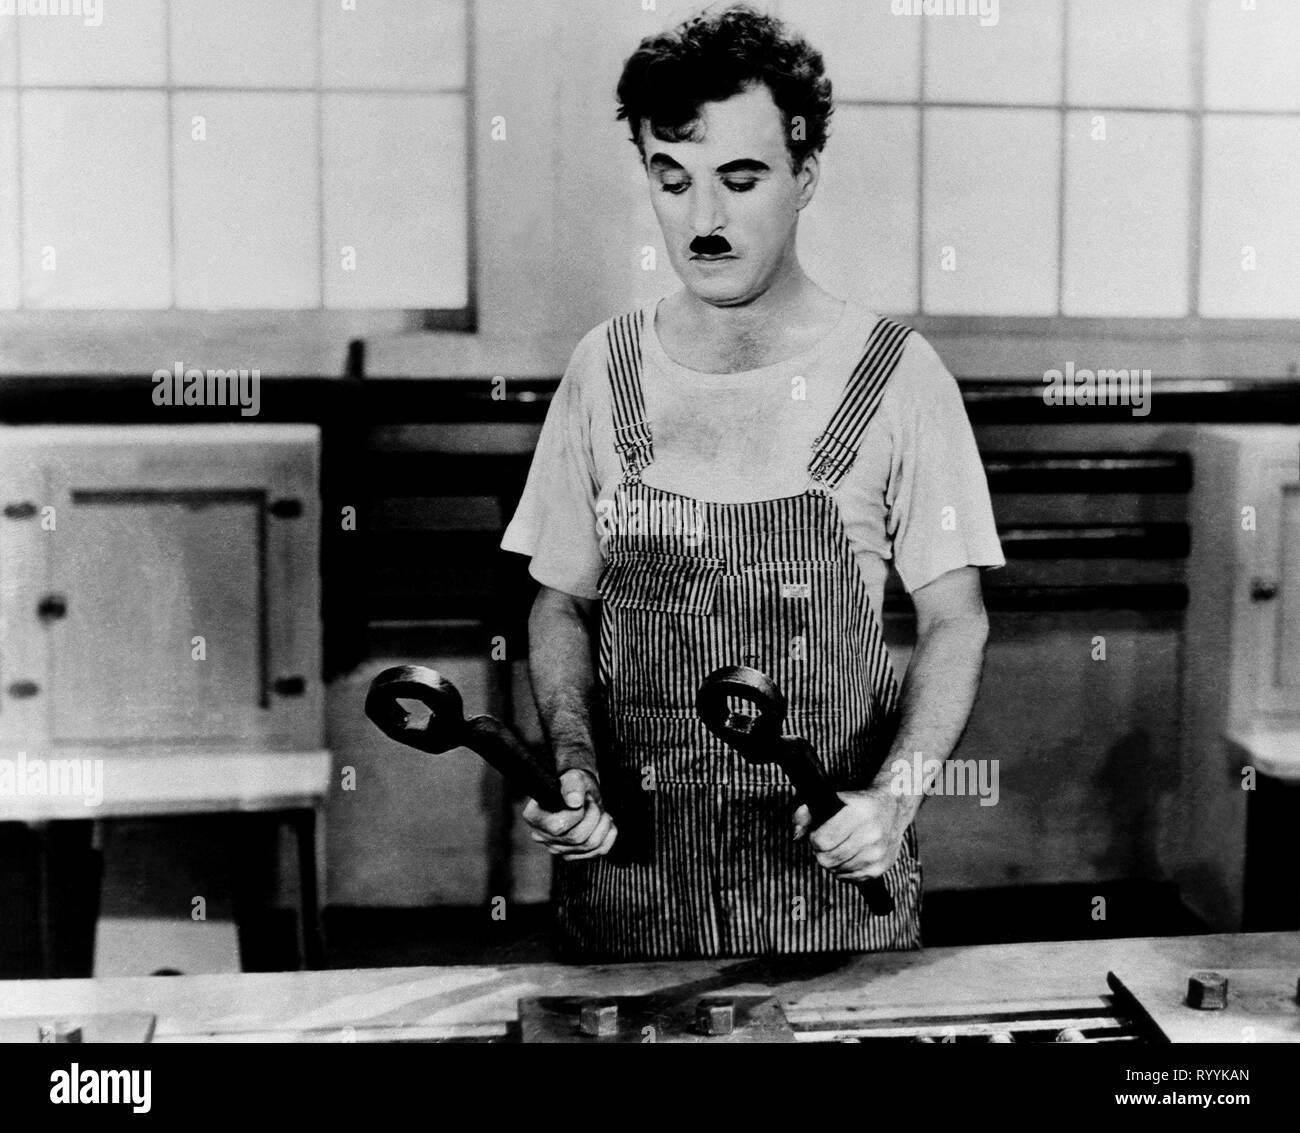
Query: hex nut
x,y
715,1015
60,1031
598,1018
1070,1035
1207,991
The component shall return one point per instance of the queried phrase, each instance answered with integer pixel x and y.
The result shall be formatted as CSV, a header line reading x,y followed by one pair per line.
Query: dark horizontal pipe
x,y
1088,472
1052,599
1112,541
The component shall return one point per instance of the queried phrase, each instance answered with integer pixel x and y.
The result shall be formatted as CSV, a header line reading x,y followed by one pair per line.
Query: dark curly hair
x,y
714,56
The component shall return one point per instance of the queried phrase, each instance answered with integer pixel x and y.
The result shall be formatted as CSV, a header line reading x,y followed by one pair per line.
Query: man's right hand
x,y
582,830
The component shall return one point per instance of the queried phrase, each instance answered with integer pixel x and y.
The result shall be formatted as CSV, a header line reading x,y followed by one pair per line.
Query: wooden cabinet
x,y
1242,685
160,611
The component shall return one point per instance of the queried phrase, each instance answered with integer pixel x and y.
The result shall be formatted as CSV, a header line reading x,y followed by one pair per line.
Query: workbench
x,y
969,993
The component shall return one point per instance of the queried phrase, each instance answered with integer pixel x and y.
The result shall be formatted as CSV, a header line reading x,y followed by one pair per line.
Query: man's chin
x,y
718,293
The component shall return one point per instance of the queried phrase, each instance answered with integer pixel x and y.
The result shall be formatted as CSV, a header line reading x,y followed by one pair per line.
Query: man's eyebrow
x,y
745,165
661,161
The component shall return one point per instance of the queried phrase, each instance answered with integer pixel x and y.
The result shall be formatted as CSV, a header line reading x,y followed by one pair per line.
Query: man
x,y
721,480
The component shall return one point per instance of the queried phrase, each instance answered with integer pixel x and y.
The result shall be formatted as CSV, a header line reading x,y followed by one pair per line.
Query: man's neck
x,y
788,318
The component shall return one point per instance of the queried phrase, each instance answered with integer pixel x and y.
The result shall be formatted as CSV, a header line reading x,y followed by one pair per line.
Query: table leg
x,y
310,937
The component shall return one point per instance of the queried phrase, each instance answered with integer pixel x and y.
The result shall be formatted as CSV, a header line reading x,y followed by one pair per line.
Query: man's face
x,y
729,204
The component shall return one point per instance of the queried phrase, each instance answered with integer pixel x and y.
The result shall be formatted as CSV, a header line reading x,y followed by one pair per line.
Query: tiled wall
x,y
228,155
1096,163
1086,158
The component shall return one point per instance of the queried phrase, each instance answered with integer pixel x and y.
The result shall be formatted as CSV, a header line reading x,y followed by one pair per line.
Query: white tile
x,y
395,194
1017,59
859,236
870,53
94,191
394,44
1252,168
245,43
990,211
1251,55
1126,54
127,48
1127,202
8,49
247,200
10,242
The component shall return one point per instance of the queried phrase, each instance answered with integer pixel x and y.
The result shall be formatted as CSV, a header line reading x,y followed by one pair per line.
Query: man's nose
x,y
707,212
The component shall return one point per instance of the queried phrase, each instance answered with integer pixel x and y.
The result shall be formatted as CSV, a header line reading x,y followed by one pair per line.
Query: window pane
x,y
1127,200
990,226
1252,55
244,43
859,236
1127,54
127,48
387,44
10,256
247,201
394,197
870,53
106,235
1018,59
1250,243
8,49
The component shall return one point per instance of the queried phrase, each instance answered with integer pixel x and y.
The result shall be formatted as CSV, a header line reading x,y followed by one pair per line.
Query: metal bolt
x,y
599,1018
716,1015
60,1032
1001,1037
1207,991
1070,1035
923,1039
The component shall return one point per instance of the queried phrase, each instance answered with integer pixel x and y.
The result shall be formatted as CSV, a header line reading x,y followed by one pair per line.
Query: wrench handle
x,y
501,748
811,784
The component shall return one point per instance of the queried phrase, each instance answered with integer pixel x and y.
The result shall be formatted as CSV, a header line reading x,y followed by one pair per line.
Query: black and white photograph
x,y
614,522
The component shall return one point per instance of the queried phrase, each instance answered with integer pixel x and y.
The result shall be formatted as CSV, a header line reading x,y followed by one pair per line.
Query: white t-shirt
x,y
916,494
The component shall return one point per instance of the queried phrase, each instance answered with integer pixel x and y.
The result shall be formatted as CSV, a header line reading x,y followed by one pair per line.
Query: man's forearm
x,y
563,675
937,696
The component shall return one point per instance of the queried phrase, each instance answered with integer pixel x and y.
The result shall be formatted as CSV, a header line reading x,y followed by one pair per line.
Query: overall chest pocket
x,y
660,581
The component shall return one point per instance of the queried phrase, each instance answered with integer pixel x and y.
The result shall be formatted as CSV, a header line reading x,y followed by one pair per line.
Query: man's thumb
x,y
573,786
802,820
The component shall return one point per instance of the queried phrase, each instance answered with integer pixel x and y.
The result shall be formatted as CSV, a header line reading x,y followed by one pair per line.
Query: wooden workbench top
x,y
470,1001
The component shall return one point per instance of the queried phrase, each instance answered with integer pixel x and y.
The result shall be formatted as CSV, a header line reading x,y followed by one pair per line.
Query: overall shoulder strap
x,y
836,447
623,363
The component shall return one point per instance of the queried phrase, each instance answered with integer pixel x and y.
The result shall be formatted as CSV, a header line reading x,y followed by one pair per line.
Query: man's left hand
x,y
863,839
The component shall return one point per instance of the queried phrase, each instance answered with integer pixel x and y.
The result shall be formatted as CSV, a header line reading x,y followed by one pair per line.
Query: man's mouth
x,y
715,258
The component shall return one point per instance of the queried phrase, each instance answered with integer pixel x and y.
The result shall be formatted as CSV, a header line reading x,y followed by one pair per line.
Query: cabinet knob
x,y
1263,589
52,607
22,690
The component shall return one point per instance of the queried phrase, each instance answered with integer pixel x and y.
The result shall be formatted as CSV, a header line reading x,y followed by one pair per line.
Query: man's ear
x,y
807,177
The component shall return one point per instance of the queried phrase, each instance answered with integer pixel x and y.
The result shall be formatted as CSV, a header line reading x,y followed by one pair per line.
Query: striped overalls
x,y
705,863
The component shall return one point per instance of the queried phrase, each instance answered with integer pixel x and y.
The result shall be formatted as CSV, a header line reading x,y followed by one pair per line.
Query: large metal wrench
x,y
447,728
757,736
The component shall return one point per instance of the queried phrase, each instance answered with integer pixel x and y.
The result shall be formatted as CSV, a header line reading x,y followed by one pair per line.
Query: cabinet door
x,y
25,532
1276,591
182,570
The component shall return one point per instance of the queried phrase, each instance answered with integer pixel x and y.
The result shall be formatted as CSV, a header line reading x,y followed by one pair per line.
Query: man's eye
x,y
675,187
740,186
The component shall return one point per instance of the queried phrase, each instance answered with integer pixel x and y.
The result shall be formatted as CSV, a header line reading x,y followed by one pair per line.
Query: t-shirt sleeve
x,y
555,522
940,516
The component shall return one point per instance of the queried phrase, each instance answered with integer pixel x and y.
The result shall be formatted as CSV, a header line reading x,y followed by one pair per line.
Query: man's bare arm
x,y
561,632
943,676
938,693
